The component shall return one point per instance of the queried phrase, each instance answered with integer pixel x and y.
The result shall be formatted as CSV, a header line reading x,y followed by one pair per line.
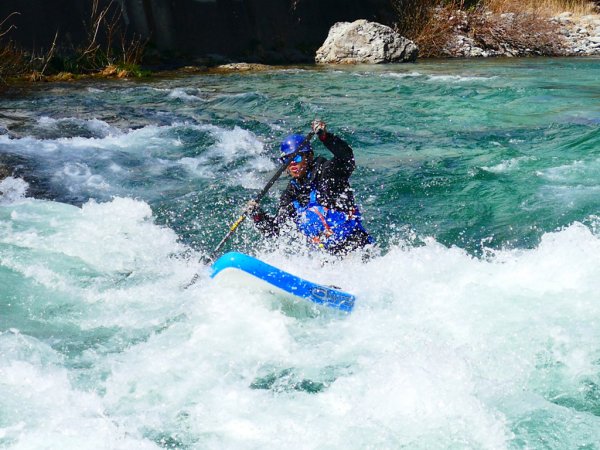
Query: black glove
x,y
319,128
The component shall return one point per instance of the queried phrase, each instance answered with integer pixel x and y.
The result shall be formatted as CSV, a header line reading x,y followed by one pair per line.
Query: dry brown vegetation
x,y
546,8
107,51
525,33
12,59
107,43
429,23
519,26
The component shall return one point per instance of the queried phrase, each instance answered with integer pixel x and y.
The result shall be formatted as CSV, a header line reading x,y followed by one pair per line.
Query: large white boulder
x,y
362,41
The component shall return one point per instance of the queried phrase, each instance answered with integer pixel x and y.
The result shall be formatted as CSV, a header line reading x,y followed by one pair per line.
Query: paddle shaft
x,y
257,200
238,222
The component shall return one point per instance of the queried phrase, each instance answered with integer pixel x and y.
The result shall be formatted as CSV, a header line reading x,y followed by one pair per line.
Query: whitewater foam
x,y
78,162
12,190
417,363
102,347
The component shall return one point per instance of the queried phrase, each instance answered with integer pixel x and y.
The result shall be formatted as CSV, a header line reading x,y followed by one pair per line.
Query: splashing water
x,y
475,327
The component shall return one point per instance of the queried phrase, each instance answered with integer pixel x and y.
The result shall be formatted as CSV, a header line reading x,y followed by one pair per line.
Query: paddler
x,y
318,198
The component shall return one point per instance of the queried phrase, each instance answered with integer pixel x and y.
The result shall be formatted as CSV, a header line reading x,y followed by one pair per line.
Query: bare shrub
x,y
107,45
413,15
13,61
132,49
107,42
430,23
439,30
521,32
519,27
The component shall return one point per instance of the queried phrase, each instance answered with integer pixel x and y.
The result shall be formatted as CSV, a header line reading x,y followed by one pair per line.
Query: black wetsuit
x,y
330,179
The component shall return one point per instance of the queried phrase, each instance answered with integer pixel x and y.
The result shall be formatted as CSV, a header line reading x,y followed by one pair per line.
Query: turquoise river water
x,y
477,321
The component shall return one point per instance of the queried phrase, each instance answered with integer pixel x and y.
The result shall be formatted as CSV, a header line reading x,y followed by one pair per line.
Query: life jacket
x,y
323,226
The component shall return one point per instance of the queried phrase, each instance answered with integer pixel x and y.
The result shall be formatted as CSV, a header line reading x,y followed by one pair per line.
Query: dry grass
x,y
439,28
13,61
107,43
413,15
545,8
429,23
502,26
523,33
107,51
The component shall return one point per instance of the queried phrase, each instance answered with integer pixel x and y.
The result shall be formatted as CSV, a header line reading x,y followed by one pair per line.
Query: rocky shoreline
x,y
582,35
465,35
566,34
459,34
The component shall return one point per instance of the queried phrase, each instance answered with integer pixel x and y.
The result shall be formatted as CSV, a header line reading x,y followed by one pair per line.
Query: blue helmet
x,y
292,143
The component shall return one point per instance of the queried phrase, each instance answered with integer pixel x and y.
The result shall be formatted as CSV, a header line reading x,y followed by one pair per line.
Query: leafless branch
x,y
2,33
50,54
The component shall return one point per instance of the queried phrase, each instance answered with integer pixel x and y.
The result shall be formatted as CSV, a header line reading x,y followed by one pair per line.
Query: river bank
x,y
488,34
491,28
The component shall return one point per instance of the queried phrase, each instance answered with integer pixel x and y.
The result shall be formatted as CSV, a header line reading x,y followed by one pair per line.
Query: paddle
x,y
247,210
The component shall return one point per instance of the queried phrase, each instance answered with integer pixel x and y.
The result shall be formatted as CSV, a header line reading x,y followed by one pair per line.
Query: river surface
x,y
477,320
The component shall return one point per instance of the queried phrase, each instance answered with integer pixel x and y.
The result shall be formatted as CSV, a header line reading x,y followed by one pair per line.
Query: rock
x,y
362,41
192,69
4,172
40,183
566,35
241,67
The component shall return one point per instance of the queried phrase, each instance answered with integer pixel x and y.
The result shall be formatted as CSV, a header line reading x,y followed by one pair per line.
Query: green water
x,y
476,322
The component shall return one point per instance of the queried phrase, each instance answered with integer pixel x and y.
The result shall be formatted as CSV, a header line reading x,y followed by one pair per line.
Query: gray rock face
x,y
362,41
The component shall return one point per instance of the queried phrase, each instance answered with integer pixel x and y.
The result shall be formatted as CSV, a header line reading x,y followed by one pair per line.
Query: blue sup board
x,y
279,281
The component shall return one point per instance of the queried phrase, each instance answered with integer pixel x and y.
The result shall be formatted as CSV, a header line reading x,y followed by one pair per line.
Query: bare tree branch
x,y
2,33
50,54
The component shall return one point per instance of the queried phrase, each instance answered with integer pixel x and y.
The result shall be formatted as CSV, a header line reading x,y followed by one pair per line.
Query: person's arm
x,y
342,164
271,226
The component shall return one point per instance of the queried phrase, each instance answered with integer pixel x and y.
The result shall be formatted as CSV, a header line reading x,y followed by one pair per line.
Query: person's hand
x,y
254,211
252,206
319,127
